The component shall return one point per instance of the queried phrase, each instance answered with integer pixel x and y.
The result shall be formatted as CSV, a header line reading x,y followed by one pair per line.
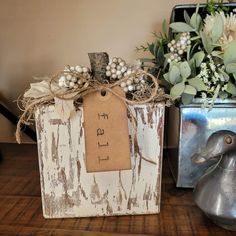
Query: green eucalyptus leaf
x,y
174,75
230,53
195,38
166,77
223,94
217,29
197,84
196,21
186,98
197,8
165,65
216,44
155,48
191,63
159,54
206,42
177,90
198,57
186,17
164,27
151,48
231,68
181,27
185,70
224,74
218,54
190,90
188,52
231,88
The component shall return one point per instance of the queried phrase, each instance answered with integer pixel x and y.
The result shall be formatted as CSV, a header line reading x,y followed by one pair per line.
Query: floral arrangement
x,y
198,57
134,81
129,77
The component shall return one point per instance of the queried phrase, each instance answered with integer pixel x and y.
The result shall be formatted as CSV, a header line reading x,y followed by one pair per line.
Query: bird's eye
x,y
228,139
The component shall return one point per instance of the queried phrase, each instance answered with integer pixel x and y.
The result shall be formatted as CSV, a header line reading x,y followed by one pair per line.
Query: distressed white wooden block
x,y
69,191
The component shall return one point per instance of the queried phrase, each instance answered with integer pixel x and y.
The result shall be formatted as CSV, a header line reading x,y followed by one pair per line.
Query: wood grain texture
x,y
21,209
69,191
99,62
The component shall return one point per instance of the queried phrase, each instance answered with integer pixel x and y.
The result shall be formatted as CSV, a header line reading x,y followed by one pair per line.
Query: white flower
x,y
203,65
213,67
205,80
224,87
204,96
214,79
229,21
217,75
212,89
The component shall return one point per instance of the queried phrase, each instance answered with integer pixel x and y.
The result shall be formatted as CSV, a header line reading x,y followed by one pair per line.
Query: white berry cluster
x,y
177,48
116,68
71,79
133,84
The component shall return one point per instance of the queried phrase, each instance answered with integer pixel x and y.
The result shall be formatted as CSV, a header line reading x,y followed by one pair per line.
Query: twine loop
x,y
92,85
152,93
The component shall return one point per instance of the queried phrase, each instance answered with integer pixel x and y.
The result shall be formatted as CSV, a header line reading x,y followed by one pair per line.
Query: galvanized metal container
x,y
189,127
177,13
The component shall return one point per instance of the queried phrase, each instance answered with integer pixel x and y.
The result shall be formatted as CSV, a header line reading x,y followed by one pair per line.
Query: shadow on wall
x,y
16,80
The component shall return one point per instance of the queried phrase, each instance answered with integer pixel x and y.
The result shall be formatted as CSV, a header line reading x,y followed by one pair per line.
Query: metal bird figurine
x,y
215,192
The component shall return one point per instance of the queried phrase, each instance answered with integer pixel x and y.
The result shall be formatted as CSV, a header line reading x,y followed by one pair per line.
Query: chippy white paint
x,y
69,191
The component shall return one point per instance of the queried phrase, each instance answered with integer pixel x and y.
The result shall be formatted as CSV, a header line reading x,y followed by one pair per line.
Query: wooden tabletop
x,y
21,211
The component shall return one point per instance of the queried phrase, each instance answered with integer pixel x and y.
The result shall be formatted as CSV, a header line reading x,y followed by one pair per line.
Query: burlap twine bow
x,y
153,93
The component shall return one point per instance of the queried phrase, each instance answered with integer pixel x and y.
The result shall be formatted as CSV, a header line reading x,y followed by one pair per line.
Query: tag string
x,y
90,86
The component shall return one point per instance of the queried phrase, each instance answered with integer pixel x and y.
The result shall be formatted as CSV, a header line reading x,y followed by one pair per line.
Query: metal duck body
x,y
215,193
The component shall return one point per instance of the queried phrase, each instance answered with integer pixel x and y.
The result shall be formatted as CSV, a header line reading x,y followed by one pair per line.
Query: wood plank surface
x,y
21,209
69,189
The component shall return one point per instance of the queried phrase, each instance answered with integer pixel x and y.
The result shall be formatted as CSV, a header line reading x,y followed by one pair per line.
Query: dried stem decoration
x,y
151,92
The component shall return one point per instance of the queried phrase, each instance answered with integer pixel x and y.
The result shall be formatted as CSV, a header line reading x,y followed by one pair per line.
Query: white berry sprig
x,y
177,48
134,82
116,68
74,77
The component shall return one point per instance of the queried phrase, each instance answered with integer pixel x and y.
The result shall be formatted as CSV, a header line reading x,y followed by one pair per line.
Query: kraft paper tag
x,y
107,144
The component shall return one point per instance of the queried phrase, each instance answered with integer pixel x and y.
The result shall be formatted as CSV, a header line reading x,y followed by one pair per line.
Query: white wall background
x,y
39,37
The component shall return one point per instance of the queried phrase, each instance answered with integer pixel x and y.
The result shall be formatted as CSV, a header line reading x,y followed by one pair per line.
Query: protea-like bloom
x,y
229,22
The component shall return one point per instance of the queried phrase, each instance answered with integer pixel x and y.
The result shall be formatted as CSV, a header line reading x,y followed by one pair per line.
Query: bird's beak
x,y
201,157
